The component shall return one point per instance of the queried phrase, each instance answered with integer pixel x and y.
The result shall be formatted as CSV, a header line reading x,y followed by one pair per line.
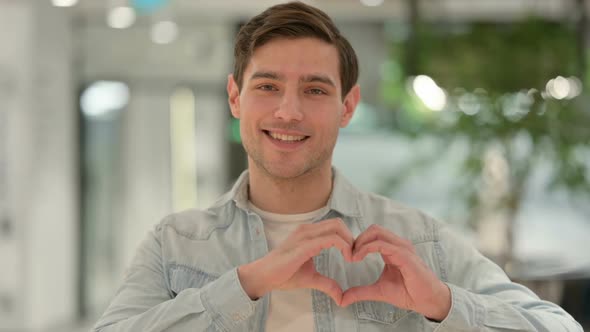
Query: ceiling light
x,y
121,17
64,3
164,32
372,3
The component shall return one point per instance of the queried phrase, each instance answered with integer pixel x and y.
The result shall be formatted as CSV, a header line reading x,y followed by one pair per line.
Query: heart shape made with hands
x,y
405,282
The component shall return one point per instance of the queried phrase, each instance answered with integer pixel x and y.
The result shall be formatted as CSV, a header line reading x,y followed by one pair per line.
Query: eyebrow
x,y
305,79
317,78
267,74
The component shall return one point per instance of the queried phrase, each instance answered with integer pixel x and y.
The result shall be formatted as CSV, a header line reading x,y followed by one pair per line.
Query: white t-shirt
x,y
290,310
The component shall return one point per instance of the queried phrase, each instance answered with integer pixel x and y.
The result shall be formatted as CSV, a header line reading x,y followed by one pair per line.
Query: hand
x,y
406,281
291,266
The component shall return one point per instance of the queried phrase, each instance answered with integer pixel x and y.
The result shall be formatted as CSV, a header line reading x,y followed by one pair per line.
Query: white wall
x,y
39,258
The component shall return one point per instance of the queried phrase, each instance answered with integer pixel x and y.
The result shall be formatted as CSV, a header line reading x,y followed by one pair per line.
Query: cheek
x,y
250,110
253,111
260,104
327,115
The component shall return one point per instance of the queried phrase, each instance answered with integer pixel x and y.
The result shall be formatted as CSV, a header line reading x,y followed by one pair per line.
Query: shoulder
x,y
408,222
193,223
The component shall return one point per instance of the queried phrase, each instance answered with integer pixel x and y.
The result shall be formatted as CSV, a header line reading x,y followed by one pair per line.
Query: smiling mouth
x,y
285,138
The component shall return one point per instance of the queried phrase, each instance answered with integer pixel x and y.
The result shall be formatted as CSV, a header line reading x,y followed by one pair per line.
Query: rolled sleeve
x,y
464,313
484,298
227,301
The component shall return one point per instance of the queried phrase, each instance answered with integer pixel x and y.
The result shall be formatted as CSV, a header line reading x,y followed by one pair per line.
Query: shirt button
x,y
235,316
257,231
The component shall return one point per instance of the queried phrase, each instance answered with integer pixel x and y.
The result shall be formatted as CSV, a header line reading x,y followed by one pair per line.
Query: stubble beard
x,y
281,170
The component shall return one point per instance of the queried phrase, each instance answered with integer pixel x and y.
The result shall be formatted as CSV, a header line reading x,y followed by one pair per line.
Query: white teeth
x,y
287,138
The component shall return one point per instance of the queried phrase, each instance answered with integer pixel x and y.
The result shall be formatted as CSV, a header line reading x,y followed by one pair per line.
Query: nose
x,y
289,108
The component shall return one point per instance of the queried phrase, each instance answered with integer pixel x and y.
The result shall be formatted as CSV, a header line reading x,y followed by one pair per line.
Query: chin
x,y
286,171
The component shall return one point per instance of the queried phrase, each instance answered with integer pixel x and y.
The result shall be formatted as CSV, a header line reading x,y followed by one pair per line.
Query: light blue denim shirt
x,y
184,275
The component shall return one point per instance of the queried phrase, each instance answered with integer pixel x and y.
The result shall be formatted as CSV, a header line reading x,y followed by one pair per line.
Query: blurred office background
x,y
113,114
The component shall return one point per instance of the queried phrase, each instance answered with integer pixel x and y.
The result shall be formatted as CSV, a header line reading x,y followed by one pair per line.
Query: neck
x,y
305,193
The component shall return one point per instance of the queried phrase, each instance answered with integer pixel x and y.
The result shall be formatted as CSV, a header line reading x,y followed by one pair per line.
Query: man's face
x,y
291,107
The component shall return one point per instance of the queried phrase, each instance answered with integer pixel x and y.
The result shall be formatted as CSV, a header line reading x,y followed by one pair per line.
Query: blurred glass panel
x,y
101,105
183,149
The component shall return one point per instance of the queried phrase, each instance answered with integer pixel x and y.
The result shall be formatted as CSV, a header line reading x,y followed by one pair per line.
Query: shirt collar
x,y
343,199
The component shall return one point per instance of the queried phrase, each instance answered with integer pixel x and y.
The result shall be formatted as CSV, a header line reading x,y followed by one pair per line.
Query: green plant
x,y
496,80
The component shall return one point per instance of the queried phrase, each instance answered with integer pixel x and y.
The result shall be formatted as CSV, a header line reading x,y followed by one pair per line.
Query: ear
x,y
350,102
233,93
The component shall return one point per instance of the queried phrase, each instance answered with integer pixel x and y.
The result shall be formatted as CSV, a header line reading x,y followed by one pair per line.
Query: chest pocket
x,y
183,277
380,312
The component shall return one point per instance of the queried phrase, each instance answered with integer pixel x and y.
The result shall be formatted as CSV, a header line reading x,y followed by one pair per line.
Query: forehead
x,y
295,58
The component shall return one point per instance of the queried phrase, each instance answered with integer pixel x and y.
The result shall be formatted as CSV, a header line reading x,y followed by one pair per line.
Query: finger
x,y
361,293
377,232
328,226
391,253
310,248
328,286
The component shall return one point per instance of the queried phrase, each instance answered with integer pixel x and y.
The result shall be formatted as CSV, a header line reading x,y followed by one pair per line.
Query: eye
x,y
267,87
316,91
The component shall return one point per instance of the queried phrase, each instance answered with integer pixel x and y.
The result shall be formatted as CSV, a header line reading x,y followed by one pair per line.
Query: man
x,y
295,247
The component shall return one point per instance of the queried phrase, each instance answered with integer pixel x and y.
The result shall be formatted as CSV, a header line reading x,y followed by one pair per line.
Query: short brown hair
x,y
294,20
